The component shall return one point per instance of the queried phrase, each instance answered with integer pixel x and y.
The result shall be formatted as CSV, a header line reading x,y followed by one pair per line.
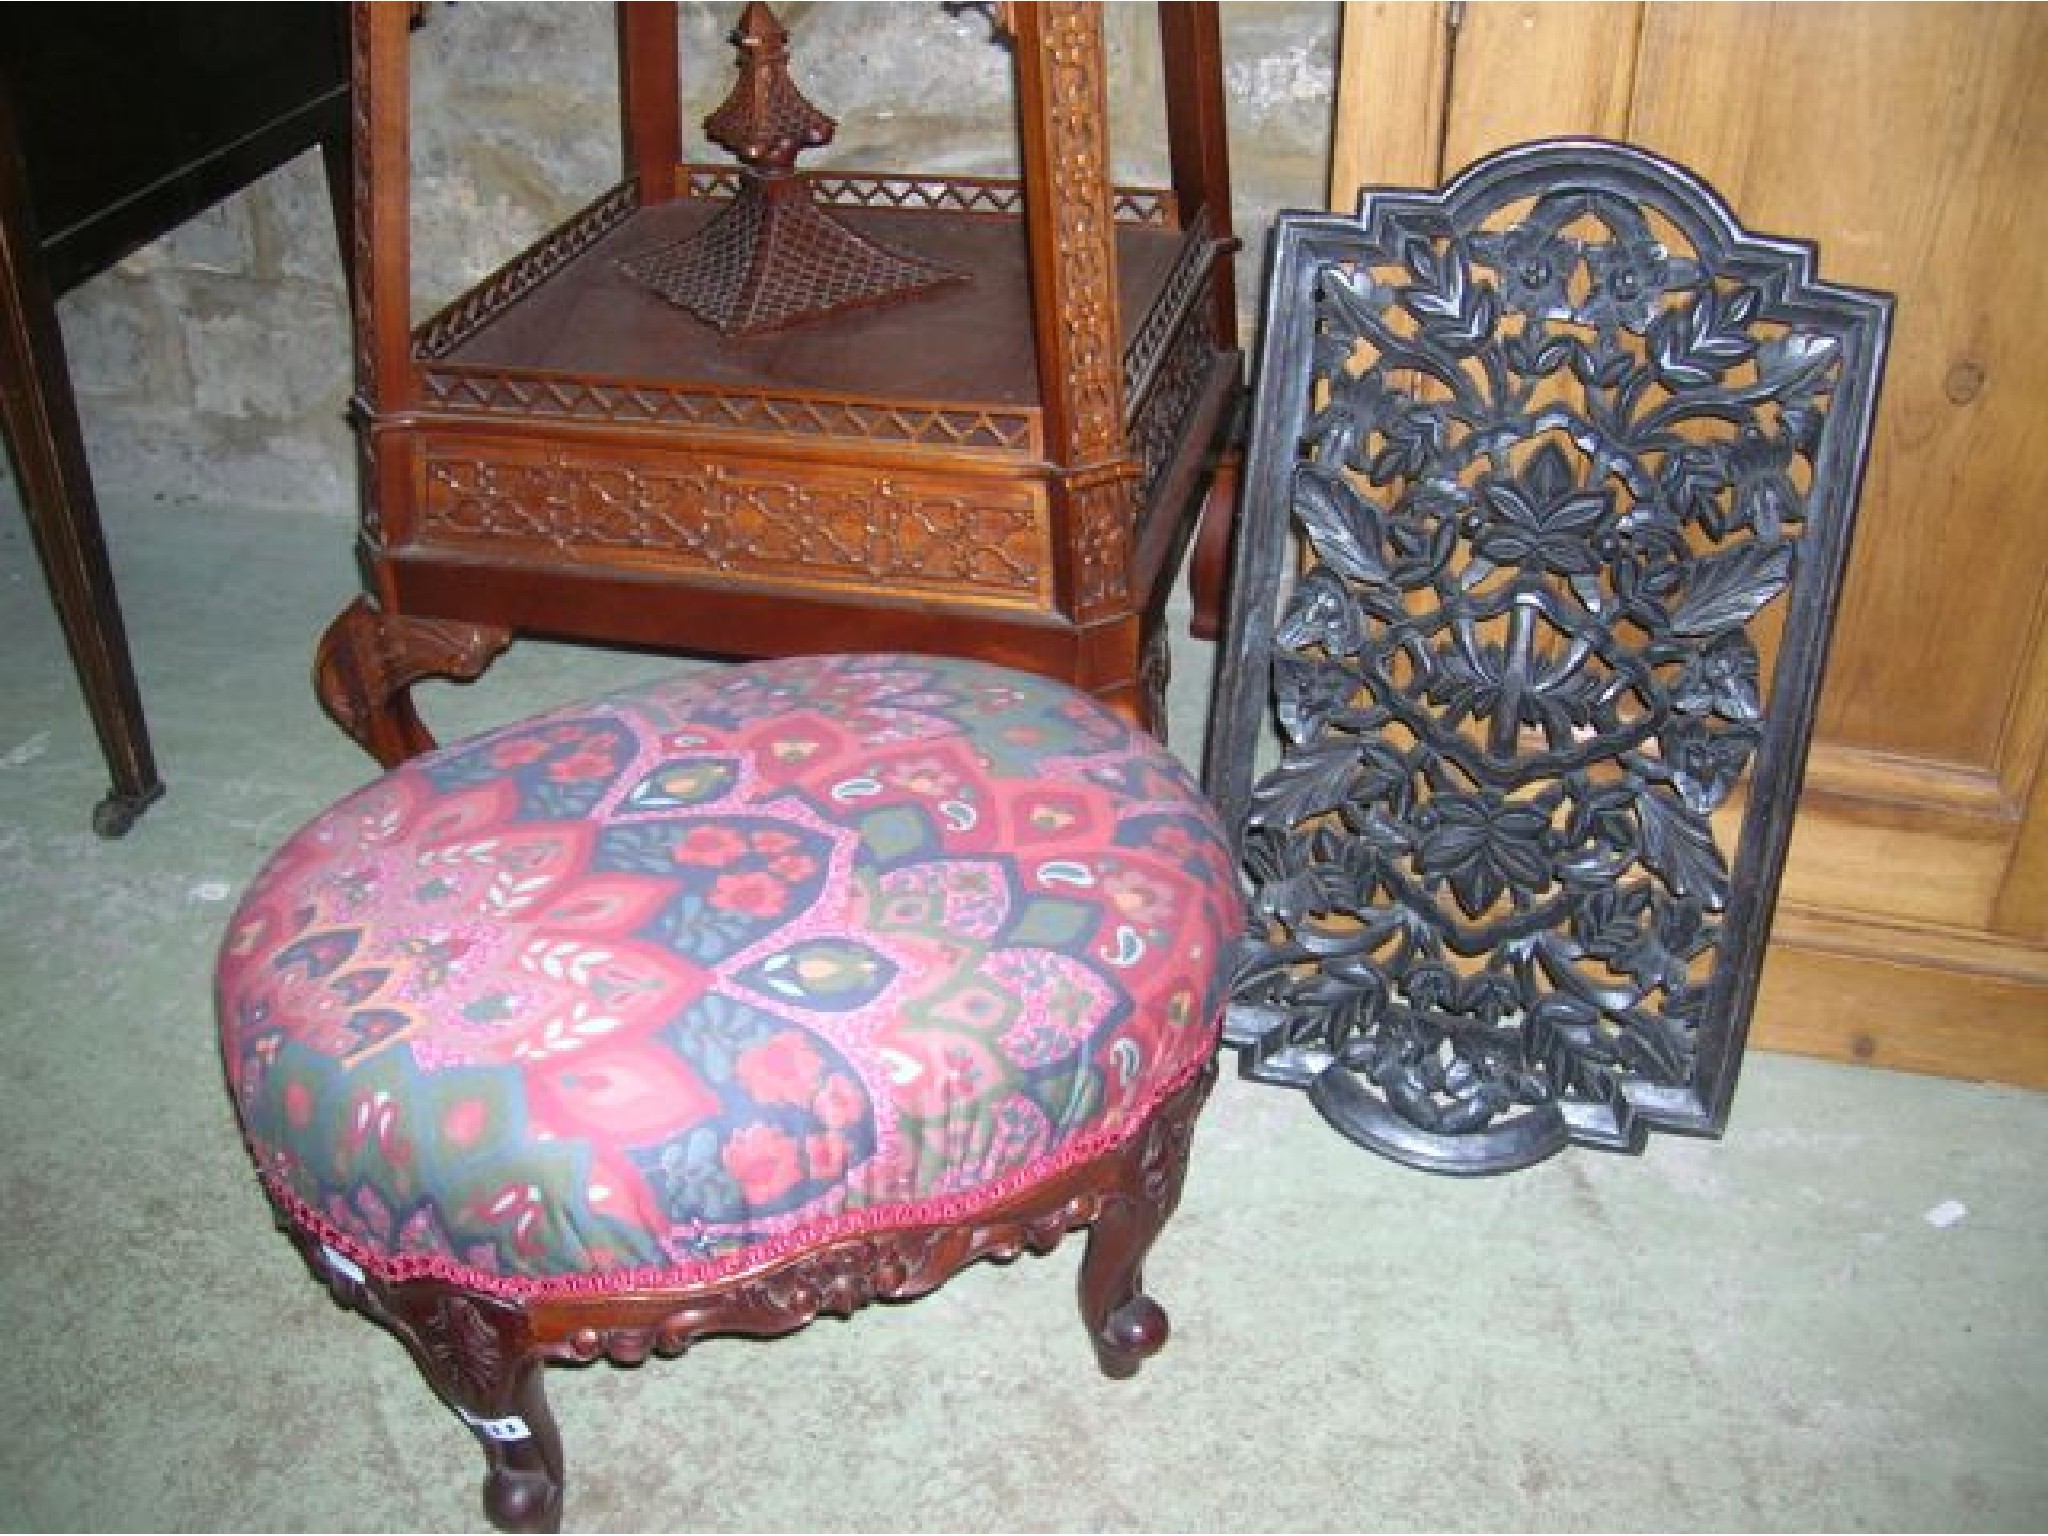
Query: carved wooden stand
x,y
484,1355
1007,467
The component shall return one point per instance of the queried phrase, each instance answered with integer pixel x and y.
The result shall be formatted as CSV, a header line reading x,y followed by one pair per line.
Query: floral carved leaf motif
x,y
1561,455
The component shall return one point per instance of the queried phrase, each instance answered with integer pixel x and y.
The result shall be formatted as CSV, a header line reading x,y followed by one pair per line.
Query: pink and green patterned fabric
x,y
640,992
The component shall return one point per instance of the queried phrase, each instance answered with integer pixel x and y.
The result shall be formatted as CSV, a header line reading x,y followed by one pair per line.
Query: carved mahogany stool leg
x,y
1126,1326
478,1354
368,661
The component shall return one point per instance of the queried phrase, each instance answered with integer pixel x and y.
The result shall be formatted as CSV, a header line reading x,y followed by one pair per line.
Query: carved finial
x,y
773,258
765,121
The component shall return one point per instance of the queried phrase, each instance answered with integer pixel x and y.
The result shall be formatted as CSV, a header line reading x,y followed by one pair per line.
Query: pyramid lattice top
x,y
774,259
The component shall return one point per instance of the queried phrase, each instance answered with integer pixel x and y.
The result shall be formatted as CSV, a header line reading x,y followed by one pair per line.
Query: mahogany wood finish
x,y
484,1355
211,98
1008,468
368,662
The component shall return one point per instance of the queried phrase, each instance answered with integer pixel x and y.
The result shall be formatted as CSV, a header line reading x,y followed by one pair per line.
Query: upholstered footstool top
x,y
639,993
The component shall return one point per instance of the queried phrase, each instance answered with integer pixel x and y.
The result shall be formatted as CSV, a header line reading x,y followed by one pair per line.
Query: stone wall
x,y
213,366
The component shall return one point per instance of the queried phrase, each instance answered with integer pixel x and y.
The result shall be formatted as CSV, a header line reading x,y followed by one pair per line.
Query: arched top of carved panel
x,y
1547,506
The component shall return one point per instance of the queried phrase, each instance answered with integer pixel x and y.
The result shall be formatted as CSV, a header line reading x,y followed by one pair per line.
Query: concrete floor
x,y
1832,1319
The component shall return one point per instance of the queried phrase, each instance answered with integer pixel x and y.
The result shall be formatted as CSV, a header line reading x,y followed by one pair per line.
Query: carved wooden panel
x,y
526,396
830,526
1557,449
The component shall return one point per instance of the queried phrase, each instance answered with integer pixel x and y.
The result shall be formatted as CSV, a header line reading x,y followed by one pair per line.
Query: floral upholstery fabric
x,y
637,992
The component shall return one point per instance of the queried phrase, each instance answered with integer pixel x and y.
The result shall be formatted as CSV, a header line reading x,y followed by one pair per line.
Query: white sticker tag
x,y
1947,1214
512,1427
342,1264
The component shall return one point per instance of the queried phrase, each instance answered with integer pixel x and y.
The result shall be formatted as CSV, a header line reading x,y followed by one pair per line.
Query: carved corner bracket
x,y
368,660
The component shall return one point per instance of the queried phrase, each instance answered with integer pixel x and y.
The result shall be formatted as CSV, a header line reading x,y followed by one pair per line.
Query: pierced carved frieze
x,y
492,392
504,288
1190,282
832,527
1001,197
1161,416
1569,463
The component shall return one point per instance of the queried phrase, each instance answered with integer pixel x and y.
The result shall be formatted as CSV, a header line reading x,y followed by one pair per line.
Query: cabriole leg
x,y
1126,1326
478,1354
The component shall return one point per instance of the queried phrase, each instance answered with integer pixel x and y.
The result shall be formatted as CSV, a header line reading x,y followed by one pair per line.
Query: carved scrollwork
x,y
481,1356
1124,1197
461,1341
1162,1155
837,1281
368,661
471,1348
1558,446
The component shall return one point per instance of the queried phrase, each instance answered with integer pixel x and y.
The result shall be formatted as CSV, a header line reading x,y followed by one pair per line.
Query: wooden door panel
x,y
1389,119
1522,72
1529,72
1502,74
1905,138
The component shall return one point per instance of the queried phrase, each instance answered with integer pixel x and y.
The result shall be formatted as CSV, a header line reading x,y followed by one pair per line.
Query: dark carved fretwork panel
x,y
1549,500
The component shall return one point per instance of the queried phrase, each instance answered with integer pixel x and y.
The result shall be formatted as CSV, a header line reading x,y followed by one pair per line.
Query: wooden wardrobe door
x,y
1911,143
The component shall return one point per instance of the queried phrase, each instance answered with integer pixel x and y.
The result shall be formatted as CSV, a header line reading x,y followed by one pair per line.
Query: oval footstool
x,y
709,1006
